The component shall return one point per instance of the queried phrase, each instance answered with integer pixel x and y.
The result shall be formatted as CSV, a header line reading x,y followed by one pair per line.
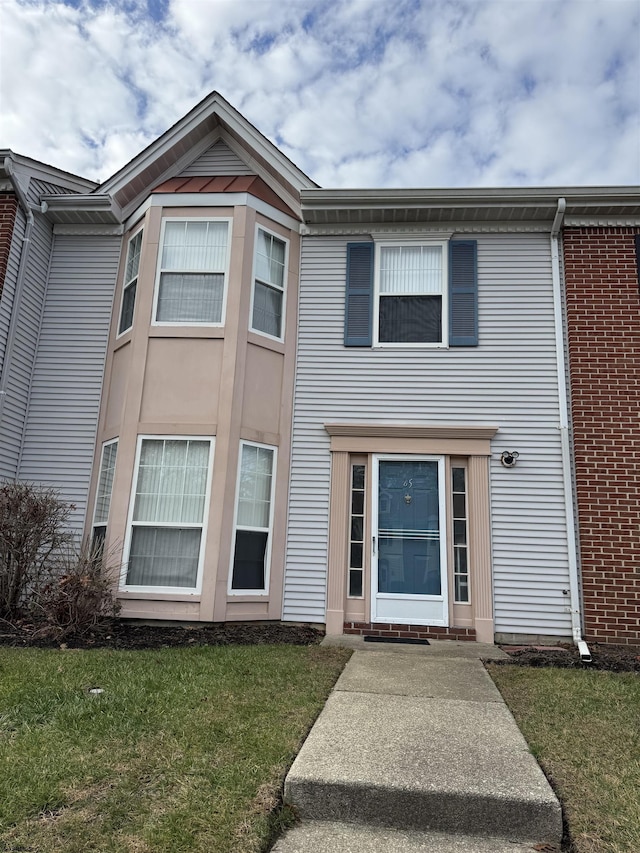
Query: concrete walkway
x,y
415,751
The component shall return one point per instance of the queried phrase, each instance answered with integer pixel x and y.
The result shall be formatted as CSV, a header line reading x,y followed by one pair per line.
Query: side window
x,y
167,515
103,495
192,272
422,294
356,532
267,306
460,535
250,571
130,283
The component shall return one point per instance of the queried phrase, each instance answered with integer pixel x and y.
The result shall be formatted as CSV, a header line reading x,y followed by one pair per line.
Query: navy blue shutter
x,y
358,314
463,293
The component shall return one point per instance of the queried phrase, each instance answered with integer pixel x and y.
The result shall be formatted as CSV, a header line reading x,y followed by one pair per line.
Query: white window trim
x,y
267,530
126,284
431,243
164,590
95,524
269,284
225,272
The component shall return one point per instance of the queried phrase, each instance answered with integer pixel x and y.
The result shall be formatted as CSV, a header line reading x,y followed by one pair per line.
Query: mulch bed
x,y
126,635
123,635
604,657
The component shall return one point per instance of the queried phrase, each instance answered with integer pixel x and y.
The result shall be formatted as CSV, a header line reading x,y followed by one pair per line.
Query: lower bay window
x,y
253,525
167,514
103,496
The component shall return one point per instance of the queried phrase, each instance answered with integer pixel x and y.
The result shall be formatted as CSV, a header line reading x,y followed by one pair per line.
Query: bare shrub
x,y
46,579
33,531
78,598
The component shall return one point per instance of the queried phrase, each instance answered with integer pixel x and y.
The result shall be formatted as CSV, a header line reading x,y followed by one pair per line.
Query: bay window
x,y
168,512
130,283
192,271
103,495
267,309
254,500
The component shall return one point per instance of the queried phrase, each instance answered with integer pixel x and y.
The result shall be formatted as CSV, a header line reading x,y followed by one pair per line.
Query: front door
x,y
409,566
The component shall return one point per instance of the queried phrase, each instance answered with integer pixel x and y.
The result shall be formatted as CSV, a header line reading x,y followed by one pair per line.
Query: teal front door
x,y
409,577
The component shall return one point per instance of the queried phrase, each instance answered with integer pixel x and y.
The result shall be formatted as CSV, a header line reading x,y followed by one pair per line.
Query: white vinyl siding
x,y
64,402
217,160
21,358
508,381
165,540
192,272
8,287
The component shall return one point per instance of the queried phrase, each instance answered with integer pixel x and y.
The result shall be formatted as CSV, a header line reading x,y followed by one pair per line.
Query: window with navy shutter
x,y
421,294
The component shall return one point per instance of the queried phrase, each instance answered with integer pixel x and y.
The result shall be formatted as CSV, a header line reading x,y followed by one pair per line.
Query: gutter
x,y
22,269
574,591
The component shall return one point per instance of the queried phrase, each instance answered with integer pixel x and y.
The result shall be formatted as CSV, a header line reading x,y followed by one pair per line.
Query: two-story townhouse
x,y
430,493
601,250
271,401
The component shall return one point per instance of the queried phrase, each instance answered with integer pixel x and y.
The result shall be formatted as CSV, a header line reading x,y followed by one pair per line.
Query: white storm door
x,y
409,553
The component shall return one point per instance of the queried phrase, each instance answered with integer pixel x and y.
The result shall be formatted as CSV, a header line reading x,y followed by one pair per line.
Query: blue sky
x,y
358,93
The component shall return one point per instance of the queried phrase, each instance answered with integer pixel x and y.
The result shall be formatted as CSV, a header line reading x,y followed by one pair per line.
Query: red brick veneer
x,y
603,318
8,209
414,632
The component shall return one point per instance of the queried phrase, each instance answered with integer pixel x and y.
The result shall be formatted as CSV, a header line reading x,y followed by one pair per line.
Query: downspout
x,y
574,589
22,269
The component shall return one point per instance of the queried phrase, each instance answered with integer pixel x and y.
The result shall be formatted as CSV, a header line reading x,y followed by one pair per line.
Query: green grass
x,y
584,729
185,750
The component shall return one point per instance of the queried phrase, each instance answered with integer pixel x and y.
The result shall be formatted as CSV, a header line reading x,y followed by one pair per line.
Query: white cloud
x,y
356,92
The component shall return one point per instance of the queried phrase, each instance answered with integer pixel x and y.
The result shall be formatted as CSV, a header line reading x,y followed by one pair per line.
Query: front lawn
x,y
584,729
184,749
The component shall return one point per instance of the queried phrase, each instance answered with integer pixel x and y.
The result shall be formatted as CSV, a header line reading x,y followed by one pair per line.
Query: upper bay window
x,y
192,272
130,283
411,293
270,264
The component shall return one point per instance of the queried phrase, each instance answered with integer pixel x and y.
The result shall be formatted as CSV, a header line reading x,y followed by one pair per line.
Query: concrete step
x,y
331,837
423,764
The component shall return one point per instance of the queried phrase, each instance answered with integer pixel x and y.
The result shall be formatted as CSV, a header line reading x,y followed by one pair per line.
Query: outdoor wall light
x,y
508,458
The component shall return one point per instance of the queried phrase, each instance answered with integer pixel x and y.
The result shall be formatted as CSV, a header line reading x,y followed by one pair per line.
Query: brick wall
x,y
8,208
603,315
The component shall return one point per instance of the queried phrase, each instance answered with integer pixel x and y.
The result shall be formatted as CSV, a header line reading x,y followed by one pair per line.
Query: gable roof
x,y
210,120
